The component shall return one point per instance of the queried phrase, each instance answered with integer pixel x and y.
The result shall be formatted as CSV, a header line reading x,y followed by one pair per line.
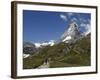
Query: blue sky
x,y
39,26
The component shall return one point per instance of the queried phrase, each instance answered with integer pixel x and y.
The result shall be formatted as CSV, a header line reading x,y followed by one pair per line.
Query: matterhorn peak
x,y
71,33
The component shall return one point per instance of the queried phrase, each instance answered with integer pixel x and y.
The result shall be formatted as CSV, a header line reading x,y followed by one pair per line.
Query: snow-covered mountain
x,y
71,33
28,48
51,43
31,48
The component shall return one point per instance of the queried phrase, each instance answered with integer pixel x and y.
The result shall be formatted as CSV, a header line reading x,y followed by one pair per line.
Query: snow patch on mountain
x,y
38,45
26,55
51,42
71,33
67,38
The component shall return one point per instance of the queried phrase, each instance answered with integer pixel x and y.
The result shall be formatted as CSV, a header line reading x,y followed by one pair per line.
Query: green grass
x,y
32,62
61,55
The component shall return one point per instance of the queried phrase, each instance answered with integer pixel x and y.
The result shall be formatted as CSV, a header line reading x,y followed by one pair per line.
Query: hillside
x,y
62,55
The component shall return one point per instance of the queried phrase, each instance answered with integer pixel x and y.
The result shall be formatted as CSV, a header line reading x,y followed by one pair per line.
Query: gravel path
x,y
44,65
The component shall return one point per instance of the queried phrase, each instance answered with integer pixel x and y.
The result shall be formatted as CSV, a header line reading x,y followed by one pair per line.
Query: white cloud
x,y
82,20
83,25
74,19
87,28
63,17
69,14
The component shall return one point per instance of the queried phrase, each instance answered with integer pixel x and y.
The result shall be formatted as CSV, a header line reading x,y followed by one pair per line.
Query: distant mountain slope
x,y
34,48
29,48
